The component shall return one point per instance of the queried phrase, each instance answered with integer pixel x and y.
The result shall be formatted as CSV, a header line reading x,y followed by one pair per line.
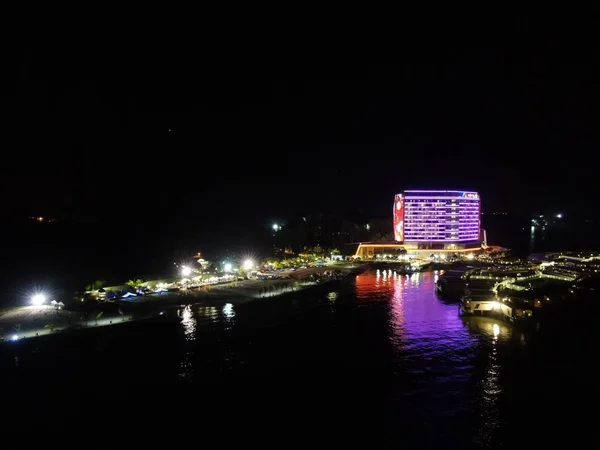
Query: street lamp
x,y
276,227
228,267
248,264
186,271
38,299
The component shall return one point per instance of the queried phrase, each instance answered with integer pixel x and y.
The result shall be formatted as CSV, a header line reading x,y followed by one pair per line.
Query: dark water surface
x,y
378,359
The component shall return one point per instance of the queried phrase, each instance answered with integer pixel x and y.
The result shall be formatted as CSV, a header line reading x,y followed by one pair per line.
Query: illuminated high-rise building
x,y
437,219
430,223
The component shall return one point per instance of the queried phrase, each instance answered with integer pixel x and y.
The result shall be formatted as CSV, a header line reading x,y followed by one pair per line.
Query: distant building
x,y
437,219
431,222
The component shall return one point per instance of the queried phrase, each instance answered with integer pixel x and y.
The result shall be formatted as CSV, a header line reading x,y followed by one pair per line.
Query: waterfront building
x,y
431,222
437,219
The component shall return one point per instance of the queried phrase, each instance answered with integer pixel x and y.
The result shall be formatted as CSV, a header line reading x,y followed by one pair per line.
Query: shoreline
x,y
242,291
29,322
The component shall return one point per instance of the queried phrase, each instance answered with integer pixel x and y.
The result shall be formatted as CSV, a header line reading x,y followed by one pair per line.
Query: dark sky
x,y
240,136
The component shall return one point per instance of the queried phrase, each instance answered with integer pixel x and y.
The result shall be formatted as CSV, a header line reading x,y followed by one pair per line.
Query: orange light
x,y
428,250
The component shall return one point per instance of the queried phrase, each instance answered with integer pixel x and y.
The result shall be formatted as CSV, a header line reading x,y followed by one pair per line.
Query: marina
x,y
519,291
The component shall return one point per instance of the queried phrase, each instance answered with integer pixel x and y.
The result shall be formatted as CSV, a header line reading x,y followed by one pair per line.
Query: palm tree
x,y
95,285
135,283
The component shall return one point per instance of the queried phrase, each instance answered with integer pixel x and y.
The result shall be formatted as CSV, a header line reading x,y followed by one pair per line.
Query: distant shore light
x,y
38,299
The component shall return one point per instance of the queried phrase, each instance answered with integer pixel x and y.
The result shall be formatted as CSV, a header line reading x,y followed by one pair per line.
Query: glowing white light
x,y
496,329
186,271
442,256
38,299
495,305
559,216
275,227
248,264
470,256
15,337
228,267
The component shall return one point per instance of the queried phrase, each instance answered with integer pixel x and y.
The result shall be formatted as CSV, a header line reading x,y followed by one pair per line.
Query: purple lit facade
x,y
443,217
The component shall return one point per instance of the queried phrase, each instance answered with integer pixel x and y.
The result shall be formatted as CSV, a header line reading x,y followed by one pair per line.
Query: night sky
x,y
220,137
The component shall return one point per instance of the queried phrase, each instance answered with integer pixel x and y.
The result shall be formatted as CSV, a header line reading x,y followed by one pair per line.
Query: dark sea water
x,y
377,360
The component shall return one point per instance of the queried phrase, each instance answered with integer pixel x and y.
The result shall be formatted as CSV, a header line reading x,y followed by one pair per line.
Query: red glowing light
x,y
399,218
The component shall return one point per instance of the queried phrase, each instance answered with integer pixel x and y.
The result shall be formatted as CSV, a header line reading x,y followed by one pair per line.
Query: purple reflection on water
x,y
417,317
434,351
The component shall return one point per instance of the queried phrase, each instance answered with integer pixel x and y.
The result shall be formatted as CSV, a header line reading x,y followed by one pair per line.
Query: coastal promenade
x,y
33,321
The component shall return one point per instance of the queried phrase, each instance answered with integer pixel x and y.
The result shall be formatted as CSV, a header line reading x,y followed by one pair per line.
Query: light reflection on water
x,y
192,317
228,311
379,351
189,325
439,351
446,369
228,315
490,392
